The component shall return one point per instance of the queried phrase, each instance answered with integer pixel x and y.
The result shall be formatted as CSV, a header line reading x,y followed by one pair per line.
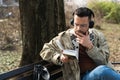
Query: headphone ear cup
x,y
72,22
91,24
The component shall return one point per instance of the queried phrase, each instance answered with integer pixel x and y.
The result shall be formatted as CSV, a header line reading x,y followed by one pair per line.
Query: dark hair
x,y
84,11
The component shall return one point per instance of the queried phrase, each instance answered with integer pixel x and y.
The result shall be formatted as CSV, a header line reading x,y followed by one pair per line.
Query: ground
x,y
112,34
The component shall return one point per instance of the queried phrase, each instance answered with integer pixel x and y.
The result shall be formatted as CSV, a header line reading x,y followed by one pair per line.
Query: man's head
x,y
82,19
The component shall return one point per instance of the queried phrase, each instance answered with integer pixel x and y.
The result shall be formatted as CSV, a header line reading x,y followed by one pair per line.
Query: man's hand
x,y
64,58
84,40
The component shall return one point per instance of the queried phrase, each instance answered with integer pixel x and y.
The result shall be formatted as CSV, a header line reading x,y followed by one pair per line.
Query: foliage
x,y
110,11
114,14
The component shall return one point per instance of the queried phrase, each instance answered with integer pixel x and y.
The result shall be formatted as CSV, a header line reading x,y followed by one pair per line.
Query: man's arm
x,y
51,52
100,53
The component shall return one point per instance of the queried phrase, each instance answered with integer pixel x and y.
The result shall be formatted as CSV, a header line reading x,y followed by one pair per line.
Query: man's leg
x,y
102,73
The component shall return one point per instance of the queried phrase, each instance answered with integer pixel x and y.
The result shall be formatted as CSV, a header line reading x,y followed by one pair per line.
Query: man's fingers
x,y
64,58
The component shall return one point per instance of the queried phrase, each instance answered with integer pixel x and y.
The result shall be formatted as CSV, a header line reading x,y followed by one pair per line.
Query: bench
x,y
26,72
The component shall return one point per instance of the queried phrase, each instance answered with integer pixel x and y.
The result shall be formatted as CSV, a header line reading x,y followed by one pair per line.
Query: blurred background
x,y
107,20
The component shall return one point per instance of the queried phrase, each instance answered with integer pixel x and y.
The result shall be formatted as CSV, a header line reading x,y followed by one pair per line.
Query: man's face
x,y
81,24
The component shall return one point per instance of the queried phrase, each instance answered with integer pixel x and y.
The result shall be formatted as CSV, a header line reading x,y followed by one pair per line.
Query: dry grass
x,y
112,34
10,40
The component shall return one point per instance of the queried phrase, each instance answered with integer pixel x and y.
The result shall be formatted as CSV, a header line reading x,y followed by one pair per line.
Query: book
x,y
72,53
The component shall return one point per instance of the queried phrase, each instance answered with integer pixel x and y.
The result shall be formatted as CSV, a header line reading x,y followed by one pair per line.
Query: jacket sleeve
x,y
100,53
51,52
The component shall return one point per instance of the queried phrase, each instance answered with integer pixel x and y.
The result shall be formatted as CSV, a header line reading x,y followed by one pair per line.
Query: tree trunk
x,y
41,20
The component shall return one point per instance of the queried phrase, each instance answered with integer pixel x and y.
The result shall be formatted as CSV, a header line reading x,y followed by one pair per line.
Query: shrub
x,y
110,11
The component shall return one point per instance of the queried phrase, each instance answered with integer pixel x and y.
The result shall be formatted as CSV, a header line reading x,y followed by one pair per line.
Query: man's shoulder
x,y
95,31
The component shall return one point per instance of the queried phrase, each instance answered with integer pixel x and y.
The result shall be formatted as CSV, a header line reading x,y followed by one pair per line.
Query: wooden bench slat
x,y
16,72
29,77
19,71
56,76
22,72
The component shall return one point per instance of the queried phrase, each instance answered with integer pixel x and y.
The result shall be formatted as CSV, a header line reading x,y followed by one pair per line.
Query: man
x,y
90,61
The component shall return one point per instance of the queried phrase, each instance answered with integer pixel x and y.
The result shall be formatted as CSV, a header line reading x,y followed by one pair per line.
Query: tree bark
x,y
41,20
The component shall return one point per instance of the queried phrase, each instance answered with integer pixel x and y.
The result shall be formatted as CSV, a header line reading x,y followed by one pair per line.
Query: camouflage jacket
x,y
71,70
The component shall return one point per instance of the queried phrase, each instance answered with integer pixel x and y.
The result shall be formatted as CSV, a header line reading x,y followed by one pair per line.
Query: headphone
x,y
83,12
